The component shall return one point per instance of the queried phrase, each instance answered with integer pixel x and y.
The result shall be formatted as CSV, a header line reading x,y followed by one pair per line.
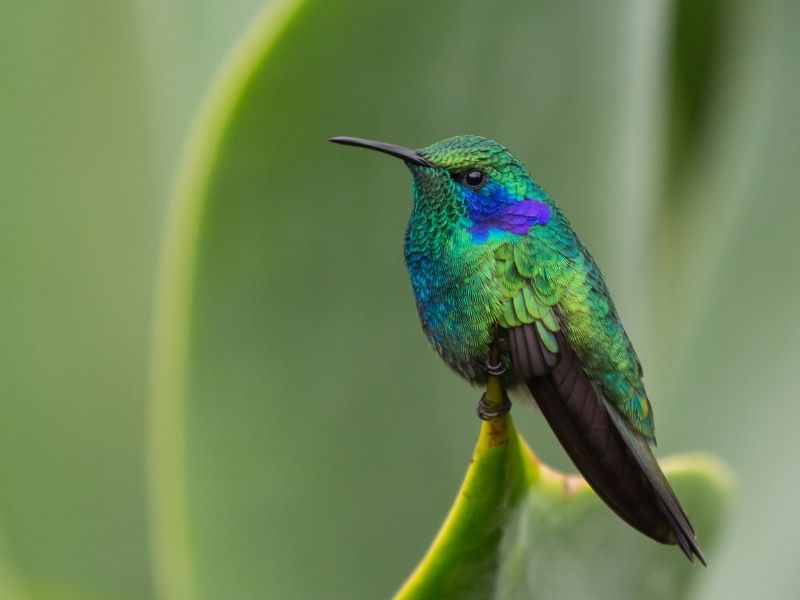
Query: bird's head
x,y
473,180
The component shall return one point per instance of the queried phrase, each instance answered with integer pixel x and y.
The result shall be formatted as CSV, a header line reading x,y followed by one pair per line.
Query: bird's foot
x,y
496,370
488,411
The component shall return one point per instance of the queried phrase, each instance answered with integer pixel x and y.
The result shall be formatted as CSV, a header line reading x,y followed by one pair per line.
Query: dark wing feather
x,y
616,461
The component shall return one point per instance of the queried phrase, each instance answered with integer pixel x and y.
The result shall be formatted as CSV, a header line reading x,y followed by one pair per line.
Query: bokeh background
x,y
668,131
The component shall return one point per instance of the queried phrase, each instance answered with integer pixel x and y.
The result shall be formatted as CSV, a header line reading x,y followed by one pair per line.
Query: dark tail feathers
x,y
615,460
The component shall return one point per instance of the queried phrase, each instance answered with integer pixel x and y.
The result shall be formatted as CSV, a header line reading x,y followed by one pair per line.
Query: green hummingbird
x,y
504,287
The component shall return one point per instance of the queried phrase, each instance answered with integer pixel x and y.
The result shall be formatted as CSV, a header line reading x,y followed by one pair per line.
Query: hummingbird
x,y
504,287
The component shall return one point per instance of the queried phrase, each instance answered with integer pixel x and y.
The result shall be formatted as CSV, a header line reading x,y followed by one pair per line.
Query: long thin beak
x,y
409,156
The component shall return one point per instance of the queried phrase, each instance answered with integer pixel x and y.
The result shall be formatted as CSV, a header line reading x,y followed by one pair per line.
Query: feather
x,y
615,460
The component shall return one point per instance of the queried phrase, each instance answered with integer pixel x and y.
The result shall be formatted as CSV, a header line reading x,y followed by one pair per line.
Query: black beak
x,y
409,156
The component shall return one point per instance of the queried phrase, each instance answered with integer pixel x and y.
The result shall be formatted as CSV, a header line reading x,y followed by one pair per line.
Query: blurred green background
x,y
668,131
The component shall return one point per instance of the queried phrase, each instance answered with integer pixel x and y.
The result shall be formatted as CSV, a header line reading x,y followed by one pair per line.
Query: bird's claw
x,y
488,411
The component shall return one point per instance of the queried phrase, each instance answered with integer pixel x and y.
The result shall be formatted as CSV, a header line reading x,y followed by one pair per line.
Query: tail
x,y
613,459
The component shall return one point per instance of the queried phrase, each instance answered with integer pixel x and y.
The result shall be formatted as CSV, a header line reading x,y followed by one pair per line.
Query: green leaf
x,y
95,103
289,374
521,530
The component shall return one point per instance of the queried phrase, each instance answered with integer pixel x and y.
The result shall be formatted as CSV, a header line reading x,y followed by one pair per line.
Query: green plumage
x,y
545,276
493,262
549,279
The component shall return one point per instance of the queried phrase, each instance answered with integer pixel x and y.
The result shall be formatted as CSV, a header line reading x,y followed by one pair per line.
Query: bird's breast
x,y
458,304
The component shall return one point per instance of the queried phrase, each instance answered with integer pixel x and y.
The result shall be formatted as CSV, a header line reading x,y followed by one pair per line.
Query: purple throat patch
x,y
515,217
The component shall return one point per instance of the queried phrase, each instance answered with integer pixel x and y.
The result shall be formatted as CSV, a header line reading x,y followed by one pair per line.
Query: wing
x,y
607,447
549,273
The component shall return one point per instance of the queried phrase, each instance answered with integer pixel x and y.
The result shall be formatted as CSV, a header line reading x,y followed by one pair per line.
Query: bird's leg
x,y
494,402
493,365
494,369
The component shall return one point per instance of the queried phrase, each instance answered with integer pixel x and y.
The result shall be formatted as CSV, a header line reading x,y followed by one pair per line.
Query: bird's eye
x,y
474,178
